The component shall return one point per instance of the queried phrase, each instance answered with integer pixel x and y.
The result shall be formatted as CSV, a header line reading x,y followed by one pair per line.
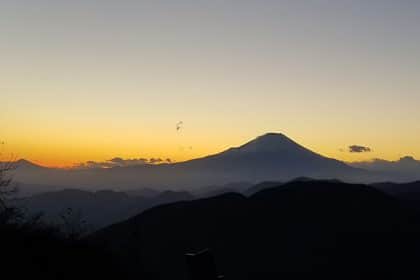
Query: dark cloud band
x,y
120,162
359,149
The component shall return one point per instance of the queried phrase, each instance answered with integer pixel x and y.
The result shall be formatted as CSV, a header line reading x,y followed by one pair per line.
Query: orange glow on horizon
x,y
54,159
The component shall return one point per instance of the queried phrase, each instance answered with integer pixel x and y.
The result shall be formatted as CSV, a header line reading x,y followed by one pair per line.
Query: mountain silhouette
x,y
298,230
23,163
271,157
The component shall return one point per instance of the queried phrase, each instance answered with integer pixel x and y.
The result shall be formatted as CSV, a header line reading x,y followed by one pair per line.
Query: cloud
x,y
359,149
120,162
155,160
128,162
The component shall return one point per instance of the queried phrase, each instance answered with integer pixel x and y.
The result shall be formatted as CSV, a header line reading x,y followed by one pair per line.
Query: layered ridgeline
x,y
102,208
300,230
271,157
305,229
94,209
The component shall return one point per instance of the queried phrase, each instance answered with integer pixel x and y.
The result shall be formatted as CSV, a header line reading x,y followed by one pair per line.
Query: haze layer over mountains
x,y
271,157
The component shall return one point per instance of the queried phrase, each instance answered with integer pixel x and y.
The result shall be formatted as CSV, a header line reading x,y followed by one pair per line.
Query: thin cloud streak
x,y
120,162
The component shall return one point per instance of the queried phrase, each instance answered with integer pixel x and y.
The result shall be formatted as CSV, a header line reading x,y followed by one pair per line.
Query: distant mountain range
x,y
271,157
94,209
405,169
102,208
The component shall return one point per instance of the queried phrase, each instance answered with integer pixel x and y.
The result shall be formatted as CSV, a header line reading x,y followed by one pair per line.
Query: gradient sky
x,y
94,79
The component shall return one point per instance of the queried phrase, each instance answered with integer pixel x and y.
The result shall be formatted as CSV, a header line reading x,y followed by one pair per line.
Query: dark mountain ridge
x,y
295,231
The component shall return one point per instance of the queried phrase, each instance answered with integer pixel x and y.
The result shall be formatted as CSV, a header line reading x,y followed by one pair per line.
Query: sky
x,y
95,79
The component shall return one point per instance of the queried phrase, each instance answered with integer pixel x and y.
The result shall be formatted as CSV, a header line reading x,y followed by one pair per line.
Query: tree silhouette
x,y
73,224
7,189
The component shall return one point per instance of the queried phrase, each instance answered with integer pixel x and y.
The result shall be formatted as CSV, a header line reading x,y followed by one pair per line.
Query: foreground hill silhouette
x,y
408,193
272,157
300,230
36,252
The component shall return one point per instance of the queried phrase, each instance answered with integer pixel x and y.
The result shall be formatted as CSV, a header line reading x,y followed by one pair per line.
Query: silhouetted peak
x,y
407,159
271,142
23,163
272,136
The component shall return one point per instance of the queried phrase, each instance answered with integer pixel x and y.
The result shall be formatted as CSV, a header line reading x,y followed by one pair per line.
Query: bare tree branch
x,y
6,187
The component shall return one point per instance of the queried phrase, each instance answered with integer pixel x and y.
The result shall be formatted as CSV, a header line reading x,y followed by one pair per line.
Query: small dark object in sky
x,y
201,266
179,125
